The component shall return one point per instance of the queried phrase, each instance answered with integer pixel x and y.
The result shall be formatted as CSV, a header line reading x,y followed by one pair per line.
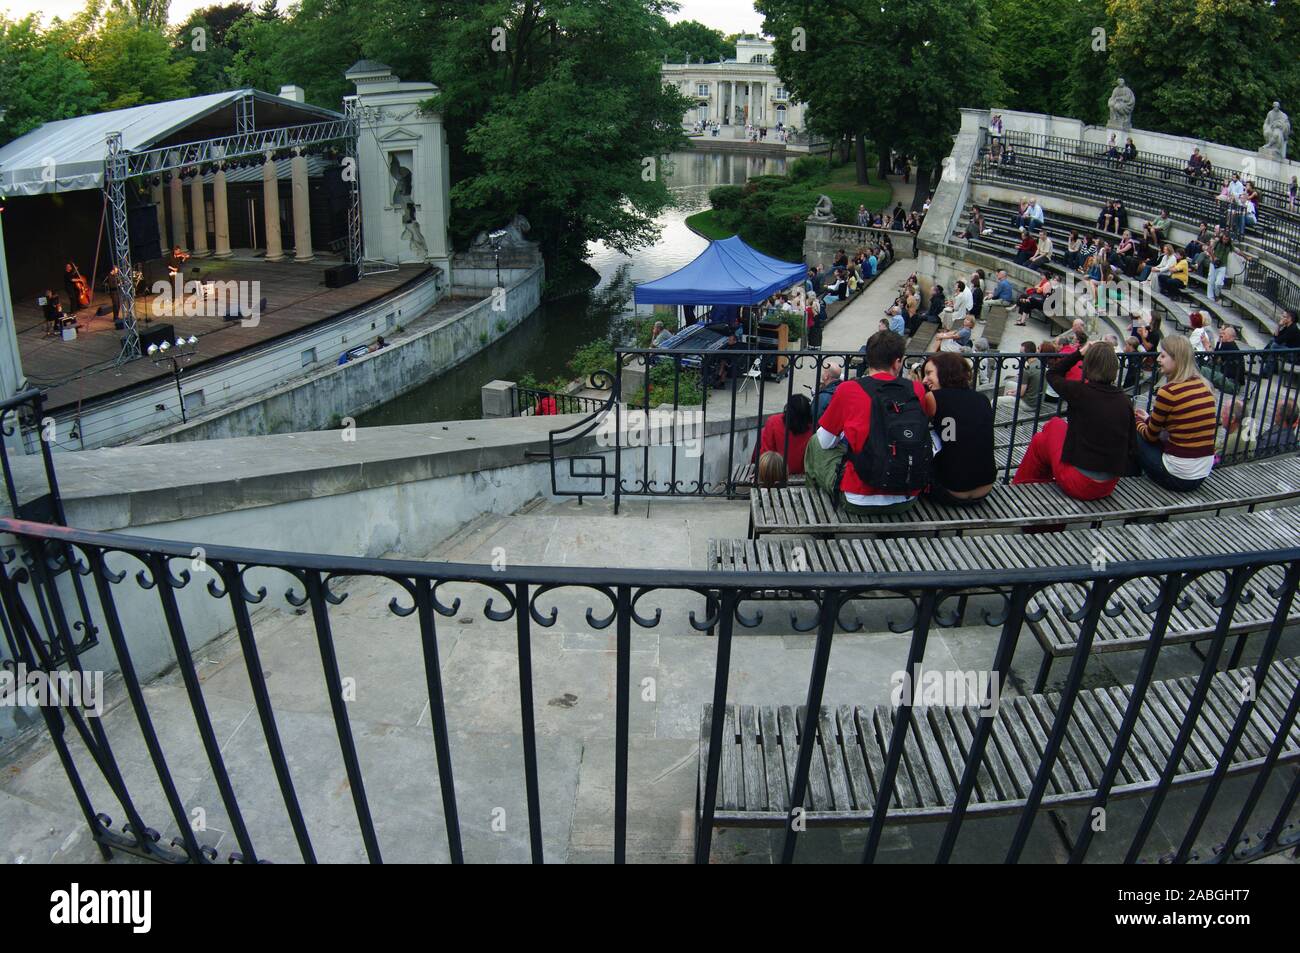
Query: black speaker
x,y
142,223
340,275
156,334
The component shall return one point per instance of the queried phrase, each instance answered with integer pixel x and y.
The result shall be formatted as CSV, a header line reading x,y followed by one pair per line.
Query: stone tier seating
x,y
1153,182
761,747
1251,316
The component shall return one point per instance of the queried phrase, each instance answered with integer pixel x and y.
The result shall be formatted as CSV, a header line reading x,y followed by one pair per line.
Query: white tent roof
x,y
68,155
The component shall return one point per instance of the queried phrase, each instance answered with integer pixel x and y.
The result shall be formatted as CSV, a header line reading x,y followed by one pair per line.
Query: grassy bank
x,y
769,211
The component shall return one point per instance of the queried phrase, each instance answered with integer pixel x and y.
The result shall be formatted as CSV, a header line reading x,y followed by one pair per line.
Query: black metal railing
x,y
657,444
536,401
270,816
1150,182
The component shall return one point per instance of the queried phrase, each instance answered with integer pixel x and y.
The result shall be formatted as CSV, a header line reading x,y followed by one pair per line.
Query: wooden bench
x,y
761,746
745,477
1010,506
1191,621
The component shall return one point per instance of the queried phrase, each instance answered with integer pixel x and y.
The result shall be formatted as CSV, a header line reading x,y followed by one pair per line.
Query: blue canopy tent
x,y
727,272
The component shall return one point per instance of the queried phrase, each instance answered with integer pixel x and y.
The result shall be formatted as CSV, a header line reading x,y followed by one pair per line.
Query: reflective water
x,y
544,342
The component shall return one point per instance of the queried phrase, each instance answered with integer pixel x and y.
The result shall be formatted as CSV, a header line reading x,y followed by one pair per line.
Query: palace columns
x,y
220,213
178,209
159,199
301,210
198,217
271,208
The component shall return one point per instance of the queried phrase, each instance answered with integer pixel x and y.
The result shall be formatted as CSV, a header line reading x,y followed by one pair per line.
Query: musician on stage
x,y
53,313
114,282
70,276
176,260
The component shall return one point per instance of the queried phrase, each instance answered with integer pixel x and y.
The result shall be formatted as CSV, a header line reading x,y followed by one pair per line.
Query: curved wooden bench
x,y
761,745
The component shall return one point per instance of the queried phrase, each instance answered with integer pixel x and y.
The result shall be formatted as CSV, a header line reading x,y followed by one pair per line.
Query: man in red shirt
x,y
848,421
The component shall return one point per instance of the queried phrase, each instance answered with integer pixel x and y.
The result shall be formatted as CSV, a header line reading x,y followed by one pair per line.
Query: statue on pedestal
x,y
511,236
1121,105
824,210
1277,130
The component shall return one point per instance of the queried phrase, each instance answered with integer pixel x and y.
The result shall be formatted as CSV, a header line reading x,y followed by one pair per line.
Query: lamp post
x,y
177,354
495,238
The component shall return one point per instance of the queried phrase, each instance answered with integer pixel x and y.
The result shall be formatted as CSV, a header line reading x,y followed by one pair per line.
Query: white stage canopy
x,y
68,155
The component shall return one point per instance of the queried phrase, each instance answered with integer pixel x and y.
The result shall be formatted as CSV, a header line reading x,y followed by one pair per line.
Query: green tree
x,y
1050,54
1208,69
702,43
559,111
205,40
310,46
895,72
39,81
128,64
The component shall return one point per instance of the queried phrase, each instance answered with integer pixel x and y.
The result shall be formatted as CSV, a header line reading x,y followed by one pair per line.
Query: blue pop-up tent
x,y
727,272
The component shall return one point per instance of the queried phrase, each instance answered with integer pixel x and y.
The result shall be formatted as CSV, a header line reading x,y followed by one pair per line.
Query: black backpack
x,y
897,454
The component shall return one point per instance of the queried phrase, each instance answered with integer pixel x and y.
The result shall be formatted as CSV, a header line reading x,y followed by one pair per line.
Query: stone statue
x,y
1277,130
1121,105
513,237
824,210
405,203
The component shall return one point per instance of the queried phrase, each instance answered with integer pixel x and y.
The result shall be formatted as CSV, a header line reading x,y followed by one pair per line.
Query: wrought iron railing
x,y
536,401
659,445
129,575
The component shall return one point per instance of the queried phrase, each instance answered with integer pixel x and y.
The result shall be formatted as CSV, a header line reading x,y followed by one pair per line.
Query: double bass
x,y
82,286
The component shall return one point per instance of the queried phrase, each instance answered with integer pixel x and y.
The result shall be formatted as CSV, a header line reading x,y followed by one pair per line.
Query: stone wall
x,y
327,397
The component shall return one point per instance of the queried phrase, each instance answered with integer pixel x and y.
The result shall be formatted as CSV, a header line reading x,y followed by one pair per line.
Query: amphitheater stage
x,y
85,369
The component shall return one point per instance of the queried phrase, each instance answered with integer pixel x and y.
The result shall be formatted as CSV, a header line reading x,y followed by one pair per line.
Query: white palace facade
x,y
739,92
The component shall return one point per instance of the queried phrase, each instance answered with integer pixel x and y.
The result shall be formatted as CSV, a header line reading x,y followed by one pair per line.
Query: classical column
x,y
220,213
271,208
159,199
178,209
198,217
301,211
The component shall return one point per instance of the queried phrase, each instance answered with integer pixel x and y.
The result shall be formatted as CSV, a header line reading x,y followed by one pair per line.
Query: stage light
x,y
180,342
153,349
193,339
165,346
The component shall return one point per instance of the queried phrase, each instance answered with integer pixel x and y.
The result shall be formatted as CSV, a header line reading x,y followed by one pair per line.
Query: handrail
x,y
650,578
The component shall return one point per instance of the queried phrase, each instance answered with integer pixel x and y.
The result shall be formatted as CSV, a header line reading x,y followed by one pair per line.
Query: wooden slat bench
x,y
1056,633
745,476
761,747
808,510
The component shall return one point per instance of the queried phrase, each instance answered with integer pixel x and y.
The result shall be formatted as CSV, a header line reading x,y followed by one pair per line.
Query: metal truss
x,y
240,145
115,176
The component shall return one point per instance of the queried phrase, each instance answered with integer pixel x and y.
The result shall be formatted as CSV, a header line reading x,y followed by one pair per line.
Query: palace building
x,y
739,92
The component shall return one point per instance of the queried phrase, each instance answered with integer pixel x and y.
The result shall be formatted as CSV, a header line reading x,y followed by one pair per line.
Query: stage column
x,y
271,207
159,199
178,210
301,210
220,213
198,217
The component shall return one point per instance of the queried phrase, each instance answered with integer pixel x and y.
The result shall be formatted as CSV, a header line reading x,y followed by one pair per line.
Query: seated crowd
x,y
879,442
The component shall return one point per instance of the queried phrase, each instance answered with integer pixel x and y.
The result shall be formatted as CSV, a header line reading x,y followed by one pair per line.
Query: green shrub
x,y
690,393
596,356
808,169
725,197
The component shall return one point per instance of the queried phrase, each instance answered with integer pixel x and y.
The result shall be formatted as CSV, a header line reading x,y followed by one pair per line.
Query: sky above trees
x,y
729,16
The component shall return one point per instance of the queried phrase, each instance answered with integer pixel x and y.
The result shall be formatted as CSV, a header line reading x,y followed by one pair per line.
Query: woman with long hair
x,y
1176,440
964,470
788,433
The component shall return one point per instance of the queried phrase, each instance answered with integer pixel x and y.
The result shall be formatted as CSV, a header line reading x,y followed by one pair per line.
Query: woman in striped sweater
x,y
1176,441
